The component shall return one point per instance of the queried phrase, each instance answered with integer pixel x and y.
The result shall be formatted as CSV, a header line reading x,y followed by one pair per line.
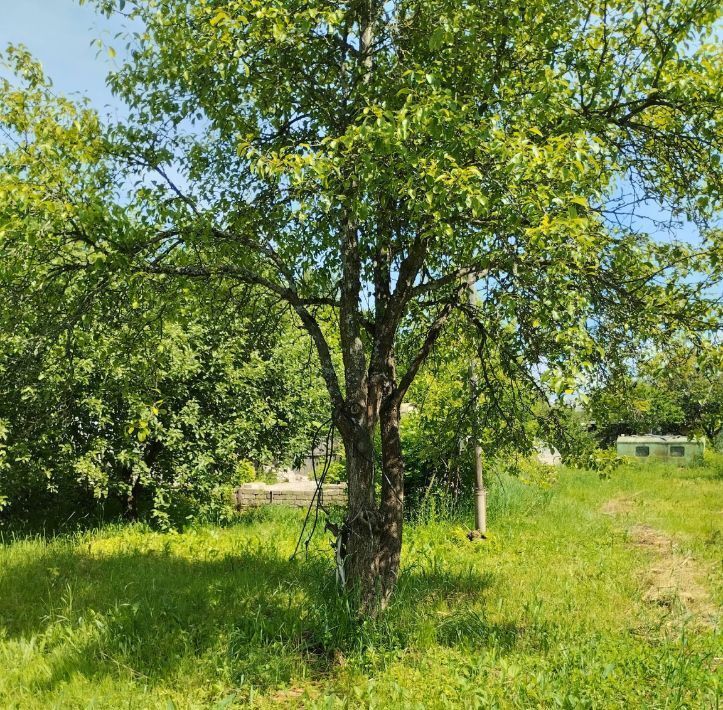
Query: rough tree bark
x,y
392,500
373,529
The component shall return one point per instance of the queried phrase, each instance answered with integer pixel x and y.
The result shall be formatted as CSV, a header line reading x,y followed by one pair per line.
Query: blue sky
x,y
59,33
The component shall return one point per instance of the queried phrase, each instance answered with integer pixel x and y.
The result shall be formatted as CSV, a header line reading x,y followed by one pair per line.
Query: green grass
x,y
550,612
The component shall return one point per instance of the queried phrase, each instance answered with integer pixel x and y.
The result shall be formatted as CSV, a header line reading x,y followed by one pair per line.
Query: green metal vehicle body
x,y
653,447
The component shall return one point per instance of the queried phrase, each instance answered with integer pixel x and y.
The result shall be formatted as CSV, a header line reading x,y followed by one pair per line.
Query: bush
x,y
533,472
149,428
336,473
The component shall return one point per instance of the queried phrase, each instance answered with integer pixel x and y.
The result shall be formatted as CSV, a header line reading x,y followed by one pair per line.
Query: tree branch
x,y
431,338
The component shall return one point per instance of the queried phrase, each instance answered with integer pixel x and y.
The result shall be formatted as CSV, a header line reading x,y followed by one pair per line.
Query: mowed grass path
x,y
566,606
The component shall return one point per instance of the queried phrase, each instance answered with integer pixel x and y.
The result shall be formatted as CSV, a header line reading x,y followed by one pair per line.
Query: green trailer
x,y
652,447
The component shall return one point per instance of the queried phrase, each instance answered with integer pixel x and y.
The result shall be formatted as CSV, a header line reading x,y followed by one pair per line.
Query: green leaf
x,y
437,38
220,16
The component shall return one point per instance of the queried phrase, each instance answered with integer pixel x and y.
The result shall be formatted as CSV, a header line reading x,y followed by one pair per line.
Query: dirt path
x,y
673,580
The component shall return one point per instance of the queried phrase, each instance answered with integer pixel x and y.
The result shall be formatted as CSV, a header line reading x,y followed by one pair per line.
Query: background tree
x,y
446,418
144,394
369,158
676,390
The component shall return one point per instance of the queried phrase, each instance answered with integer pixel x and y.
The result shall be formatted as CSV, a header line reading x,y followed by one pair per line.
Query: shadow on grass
x,y
250,616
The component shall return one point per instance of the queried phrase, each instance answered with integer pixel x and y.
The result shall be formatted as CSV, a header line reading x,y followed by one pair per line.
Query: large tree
x,y
365,159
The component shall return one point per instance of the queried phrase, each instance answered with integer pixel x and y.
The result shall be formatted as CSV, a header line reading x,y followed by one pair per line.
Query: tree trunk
x,y
372,535
130,513
392,503
361,527
150,455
